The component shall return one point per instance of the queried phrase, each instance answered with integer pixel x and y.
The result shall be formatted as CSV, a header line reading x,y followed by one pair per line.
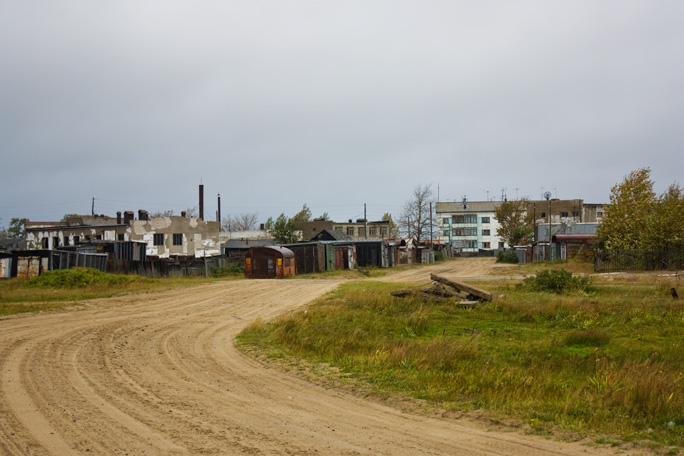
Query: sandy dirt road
x,y
158,374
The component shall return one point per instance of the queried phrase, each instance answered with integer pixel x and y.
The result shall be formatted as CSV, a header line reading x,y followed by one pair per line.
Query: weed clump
x,y
557,281
232,270
78,278
506,257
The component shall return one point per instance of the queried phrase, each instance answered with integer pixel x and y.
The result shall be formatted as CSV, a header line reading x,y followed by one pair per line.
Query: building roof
x,y
470,206
331,235
246,243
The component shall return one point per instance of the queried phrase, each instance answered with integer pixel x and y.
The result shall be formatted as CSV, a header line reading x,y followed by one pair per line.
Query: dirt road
x,y
158,374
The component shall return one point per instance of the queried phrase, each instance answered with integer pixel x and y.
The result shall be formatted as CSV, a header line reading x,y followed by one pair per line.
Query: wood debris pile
x,y
443,288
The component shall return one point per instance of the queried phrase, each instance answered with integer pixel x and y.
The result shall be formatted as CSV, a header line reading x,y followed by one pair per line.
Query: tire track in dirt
x,y
158,374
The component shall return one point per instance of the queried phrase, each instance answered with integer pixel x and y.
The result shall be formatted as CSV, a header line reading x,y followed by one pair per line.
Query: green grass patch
x,y
606,361
58,289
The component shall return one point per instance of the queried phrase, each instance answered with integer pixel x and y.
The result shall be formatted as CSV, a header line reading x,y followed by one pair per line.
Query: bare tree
x,y
415,219
242,222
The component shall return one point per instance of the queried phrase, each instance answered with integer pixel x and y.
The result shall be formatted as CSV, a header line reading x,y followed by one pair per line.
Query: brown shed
x,y
271,262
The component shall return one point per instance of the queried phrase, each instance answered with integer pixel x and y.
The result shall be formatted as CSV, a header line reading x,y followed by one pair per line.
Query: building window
x,y
575,214
445,221
373,231
159,239
338,228
350,230
446,233
77,239
66,241
486,245
98,237
383,232
486,233
55,242
471,218
471,231
46,242
458,231
122,237
543,215
485,220
458,219
599,214
362,231
564,214
178,239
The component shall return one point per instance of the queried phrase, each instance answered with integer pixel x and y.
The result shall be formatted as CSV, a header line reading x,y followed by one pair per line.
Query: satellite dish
x,y
547,195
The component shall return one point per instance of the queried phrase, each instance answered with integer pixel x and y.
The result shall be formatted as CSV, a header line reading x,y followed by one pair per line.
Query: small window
x,y
575,214
486,233
458,219
373,230
362,231
543,215
350,230
564,214
122,237
46,242
471,231
77,239
66,241
445,221
486,245
98,237
485,220
159,239
599,214
178,239
471,218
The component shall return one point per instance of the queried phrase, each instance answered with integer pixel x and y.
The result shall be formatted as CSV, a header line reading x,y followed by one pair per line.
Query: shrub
x,y
506,257
232,270
555,281
439,256
78,278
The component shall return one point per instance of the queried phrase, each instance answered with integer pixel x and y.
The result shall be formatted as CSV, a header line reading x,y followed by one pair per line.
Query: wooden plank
x,y
460,286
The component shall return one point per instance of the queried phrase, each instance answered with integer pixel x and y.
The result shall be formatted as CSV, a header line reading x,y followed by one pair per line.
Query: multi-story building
x,y
164,236
468,226
471,226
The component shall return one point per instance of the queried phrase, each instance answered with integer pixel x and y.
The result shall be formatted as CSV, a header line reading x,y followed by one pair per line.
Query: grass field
x,y
58,289
603,359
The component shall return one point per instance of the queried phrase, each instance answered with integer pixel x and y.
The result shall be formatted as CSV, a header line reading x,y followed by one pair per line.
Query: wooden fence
x,y
638,260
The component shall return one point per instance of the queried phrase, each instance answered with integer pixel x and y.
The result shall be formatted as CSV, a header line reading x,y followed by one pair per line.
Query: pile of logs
x,y
443,288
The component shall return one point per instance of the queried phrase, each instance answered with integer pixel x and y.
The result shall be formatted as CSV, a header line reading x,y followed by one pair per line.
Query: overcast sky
x,y
274,104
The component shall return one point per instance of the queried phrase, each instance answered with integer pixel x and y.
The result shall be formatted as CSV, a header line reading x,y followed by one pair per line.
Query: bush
x,y
555,281
439,256
506,257
232,270
78,278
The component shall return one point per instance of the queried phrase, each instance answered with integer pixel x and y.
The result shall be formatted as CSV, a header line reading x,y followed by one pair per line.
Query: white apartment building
x,y
468,226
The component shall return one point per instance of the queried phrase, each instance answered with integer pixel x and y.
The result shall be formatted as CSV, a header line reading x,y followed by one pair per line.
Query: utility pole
x,y
431,247
365,222
92,208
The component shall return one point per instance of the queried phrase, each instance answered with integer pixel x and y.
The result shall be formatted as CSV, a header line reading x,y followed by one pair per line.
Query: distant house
x,y
331,235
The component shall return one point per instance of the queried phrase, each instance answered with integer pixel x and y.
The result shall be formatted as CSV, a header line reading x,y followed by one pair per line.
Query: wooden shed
x,y
271,262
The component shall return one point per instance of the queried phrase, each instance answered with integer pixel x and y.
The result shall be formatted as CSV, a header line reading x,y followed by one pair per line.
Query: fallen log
x,y
462,287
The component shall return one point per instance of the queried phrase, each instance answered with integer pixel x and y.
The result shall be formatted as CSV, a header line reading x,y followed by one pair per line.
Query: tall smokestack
x,y
219,210
201,201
